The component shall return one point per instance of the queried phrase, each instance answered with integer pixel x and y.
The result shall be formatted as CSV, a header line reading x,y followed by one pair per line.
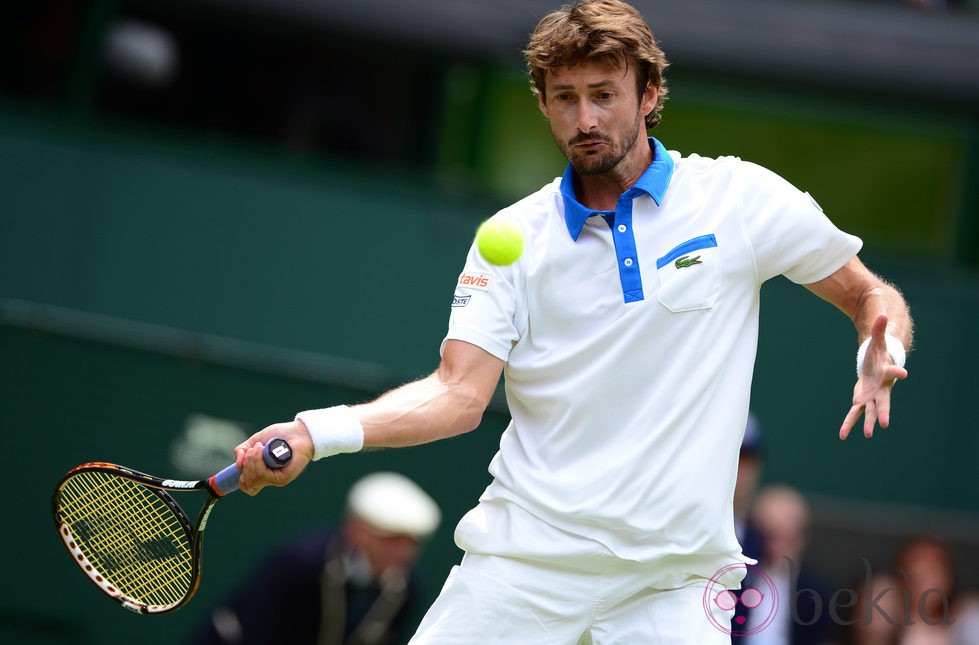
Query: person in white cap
x,y
354,585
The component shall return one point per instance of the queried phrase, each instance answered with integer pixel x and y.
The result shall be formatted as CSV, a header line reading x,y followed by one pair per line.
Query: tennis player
x,y
627,333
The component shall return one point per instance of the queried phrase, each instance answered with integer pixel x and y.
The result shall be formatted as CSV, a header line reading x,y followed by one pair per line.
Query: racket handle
x,y
276,454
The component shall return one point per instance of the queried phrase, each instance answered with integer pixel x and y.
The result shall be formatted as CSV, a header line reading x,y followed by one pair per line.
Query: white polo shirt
x,y
629,353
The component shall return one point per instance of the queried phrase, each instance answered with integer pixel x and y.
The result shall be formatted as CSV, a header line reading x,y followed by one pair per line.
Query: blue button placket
x,y
624,239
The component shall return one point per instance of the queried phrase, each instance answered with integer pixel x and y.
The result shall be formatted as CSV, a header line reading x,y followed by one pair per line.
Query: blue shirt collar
x,y
653,182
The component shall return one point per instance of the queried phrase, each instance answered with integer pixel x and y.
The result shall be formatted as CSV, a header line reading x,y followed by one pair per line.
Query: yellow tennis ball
x,y
500,241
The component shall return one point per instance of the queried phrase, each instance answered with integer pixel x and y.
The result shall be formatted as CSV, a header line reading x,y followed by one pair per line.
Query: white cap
x,y
394,504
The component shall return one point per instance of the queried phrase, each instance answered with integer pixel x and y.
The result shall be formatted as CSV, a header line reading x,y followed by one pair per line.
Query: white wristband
x,y
894,347
333,430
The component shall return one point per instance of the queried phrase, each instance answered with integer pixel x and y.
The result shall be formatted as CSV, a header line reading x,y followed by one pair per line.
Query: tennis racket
x,y
130,536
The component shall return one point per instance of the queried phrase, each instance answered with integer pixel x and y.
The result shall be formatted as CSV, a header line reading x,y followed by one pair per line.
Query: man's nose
x,y
587,117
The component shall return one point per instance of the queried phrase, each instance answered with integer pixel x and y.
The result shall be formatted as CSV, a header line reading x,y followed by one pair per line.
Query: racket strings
x,y
130,535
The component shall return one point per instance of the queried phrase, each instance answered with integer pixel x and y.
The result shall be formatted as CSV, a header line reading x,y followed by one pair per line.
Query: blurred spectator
x,y
781,515
938,615
750,465
875,617
350,586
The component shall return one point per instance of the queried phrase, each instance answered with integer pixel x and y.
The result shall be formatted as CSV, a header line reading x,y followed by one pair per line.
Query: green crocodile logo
x,y
687,261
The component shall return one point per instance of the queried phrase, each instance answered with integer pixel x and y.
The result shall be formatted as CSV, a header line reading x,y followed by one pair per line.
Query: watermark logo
x,y
754,606
758,594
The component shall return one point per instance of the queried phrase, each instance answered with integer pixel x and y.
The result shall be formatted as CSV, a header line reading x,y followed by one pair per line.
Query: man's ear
x,y
649,98
542,104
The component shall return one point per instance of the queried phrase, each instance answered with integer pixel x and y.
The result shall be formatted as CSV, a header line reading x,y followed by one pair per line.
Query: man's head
x,y
607,31
928,570
781,514
388,519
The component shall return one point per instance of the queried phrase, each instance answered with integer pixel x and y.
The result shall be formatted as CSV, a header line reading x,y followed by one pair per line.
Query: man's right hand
x,y
255,475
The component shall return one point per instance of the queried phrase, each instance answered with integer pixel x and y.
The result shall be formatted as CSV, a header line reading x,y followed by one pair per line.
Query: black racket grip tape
x,y
277,453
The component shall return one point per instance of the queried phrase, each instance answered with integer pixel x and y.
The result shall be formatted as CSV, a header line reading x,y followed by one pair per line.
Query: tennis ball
x,y
500,241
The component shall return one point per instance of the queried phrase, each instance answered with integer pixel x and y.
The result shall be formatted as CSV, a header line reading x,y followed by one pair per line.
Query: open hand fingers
x,y
875,406
869,418
870,414
884,405
851,419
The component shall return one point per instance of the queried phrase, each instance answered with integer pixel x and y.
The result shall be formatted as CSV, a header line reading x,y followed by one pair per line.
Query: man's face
x,y
383,550
596,117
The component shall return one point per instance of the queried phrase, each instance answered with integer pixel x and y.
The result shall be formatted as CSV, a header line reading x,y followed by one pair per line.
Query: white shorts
x,y
491,600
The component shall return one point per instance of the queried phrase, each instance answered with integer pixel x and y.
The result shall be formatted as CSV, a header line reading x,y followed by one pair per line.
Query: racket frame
x,y
159,486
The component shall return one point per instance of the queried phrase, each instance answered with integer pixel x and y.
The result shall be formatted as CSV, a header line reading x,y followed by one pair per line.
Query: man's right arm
x,y
449,402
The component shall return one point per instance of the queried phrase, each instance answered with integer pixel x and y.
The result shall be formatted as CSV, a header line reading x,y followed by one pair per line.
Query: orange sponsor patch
x,y
479,281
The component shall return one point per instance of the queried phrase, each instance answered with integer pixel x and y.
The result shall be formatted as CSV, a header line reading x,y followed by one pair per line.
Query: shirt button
x,y
622,228
627,262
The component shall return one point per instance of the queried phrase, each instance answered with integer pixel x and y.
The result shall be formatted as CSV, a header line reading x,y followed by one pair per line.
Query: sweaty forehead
x,y
589,73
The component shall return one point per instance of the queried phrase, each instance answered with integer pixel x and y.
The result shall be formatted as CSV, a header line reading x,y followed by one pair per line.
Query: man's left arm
x,y
878,311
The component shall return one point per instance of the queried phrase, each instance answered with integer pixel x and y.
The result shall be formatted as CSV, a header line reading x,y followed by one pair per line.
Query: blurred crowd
x,y
914,598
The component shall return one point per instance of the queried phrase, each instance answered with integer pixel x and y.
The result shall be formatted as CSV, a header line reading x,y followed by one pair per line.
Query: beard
x,y
590,163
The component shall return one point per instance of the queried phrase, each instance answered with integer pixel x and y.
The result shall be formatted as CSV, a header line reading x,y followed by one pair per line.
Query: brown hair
x,y
589,30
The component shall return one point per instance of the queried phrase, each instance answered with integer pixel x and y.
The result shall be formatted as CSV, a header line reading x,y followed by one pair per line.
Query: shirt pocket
x,y
690,275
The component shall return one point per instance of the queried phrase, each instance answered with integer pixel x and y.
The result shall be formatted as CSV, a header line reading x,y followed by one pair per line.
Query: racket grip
x,y
277,453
